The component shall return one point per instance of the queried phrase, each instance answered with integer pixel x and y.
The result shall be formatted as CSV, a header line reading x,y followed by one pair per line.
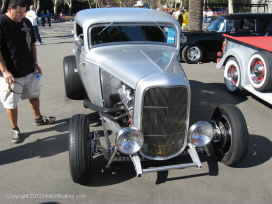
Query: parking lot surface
x,y
37,170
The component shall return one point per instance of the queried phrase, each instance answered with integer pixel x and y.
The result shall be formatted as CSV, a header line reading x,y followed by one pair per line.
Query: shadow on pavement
x,y
205,97
121,171
45,147
259,152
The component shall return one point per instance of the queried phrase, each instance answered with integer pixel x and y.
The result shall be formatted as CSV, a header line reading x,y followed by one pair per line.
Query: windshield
x,y
218,25
113,32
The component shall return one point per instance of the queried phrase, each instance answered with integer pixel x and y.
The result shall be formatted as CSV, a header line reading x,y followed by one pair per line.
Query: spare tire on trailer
x,y
73,85
260,70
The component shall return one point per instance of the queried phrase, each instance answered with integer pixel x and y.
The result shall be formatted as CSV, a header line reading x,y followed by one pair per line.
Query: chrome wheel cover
x,y
257,71
194,53
232,75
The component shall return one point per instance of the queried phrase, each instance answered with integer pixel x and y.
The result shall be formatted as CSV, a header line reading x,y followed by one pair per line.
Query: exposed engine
x,y
127,97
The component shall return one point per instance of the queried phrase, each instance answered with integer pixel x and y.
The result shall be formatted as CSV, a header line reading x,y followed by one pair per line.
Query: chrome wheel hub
x,y
194,53
257,71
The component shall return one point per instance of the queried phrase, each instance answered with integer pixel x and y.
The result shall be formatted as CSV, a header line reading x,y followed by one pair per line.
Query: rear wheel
x,y
192,54
260,70
79,150
231,140
73,86
232,76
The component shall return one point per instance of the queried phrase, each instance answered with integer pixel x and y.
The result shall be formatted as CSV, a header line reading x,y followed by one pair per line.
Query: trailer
x,y
247,64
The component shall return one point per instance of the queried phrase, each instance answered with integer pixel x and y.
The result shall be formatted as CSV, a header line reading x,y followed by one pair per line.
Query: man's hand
x,y
8,77
37,69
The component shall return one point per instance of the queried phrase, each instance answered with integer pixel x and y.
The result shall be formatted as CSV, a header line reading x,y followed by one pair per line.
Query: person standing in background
x,y
43,18
32,16
180,17
48,15
61,16
209,12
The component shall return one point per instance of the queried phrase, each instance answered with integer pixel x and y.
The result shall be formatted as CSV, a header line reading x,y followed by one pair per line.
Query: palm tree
x,y
230,6
195,14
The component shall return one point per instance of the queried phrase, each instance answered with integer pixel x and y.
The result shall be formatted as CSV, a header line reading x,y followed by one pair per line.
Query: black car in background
x,y
205,44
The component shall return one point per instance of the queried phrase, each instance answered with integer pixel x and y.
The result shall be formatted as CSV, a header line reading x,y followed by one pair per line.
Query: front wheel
x,y
231,140
232,76
192,54
79,150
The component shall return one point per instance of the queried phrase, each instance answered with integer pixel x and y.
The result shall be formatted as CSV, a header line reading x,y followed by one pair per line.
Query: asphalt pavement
x,y
37,170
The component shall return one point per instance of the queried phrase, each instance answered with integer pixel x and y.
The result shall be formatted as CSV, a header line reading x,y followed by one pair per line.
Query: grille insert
x,y
164,120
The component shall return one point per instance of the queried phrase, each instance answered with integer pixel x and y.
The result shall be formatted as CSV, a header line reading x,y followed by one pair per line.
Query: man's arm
x,y
37,69
3,68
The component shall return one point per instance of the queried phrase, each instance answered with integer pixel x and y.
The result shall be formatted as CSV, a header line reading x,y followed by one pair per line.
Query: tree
x,y
56,3
230,4
70,5
195,14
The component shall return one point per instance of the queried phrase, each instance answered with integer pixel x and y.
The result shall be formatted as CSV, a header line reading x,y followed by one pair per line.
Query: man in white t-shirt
x,y
209,12
32,16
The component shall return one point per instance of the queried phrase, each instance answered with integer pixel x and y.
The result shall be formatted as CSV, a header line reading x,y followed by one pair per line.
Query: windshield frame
x,y
155,24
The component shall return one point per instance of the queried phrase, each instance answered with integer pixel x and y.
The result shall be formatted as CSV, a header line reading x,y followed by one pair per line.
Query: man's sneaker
x,y
44,120
16,136
41,42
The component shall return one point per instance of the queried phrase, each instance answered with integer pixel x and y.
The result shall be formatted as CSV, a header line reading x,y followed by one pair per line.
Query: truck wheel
x,y
259,70
232,76
79,153
231,141
192,54
73,86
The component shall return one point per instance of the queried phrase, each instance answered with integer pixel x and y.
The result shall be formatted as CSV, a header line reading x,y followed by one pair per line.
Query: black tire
x,y
192,54
73,85
232,76
260,70
231,145
79,153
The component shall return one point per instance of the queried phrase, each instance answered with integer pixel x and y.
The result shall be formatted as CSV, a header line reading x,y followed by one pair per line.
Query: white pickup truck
x,y
247,63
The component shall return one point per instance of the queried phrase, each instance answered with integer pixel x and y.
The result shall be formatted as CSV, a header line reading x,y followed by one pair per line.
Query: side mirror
x,y
183,38
78,40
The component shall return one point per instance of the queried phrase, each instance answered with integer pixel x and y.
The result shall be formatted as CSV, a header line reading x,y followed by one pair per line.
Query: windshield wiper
x,y
160,28
106,27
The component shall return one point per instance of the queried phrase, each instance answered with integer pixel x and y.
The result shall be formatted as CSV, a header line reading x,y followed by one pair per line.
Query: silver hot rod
x,y
126,61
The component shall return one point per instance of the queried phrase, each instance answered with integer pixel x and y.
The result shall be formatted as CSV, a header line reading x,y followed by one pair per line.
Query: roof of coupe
x,y
106,15
245,15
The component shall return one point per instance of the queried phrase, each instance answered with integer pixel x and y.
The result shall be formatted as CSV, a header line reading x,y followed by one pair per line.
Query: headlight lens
x,y
201,133
129,140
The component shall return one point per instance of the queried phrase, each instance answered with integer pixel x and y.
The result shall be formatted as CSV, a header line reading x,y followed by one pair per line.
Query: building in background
x,y
265,5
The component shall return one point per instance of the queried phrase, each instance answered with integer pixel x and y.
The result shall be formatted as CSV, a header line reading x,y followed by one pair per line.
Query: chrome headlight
x,y
201,133
129,140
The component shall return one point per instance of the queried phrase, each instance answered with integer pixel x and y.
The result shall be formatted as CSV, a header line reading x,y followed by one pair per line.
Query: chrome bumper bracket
x,y
137,164
194,155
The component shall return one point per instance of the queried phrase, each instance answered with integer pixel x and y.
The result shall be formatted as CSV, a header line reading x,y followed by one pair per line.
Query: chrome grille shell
x,y
163,102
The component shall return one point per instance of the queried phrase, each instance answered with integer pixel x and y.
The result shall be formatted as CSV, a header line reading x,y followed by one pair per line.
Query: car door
x,y
265,26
